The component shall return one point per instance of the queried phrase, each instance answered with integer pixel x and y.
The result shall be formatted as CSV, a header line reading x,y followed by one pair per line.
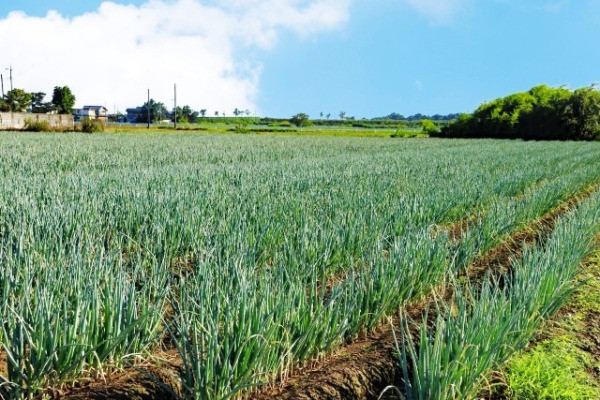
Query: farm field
x,y
247,256
386,131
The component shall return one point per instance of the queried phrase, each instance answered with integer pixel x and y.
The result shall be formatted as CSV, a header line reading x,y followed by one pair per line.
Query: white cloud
x,y
112,55
439,12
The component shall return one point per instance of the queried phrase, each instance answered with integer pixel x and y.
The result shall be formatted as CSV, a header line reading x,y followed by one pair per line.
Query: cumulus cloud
x,y
439,12
112,55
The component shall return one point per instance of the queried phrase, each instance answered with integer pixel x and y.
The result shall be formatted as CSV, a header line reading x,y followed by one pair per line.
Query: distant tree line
x,y
418,117
18,100
542,113
159,112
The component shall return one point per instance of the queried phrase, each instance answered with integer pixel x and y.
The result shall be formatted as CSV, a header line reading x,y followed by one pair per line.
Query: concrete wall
x,y
16,121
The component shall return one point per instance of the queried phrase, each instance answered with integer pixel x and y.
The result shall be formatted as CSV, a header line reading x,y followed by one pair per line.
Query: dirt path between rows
x,y
359,370
363,369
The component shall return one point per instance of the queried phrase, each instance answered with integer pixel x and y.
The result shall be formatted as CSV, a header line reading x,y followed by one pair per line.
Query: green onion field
x,y
247,255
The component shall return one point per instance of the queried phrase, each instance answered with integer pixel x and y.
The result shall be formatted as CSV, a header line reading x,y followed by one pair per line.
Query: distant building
x,y
91,112
140,114
133,114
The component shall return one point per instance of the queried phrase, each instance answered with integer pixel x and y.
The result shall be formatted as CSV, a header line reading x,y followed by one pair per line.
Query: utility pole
x,y
2,80
175,105
148,108
11,80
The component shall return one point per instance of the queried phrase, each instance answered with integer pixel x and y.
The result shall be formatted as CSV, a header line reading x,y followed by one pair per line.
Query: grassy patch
x,y
554,369
566,364
407,133
587,298
266,130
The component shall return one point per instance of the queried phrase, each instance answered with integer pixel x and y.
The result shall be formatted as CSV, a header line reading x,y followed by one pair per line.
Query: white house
x,y
91,112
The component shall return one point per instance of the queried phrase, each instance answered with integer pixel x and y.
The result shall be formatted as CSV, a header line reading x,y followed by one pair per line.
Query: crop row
x,y
250,254
485,323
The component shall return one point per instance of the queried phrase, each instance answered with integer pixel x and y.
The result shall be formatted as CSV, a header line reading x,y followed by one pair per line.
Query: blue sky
x,y
276,58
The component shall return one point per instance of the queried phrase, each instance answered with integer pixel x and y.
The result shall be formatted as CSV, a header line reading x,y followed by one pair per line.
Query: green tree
x,y
186,114
63,99
190,115
542,113
178,113
16,100
37,100
158,111
429,127
583,114
300,119
543,118
38,105
203,112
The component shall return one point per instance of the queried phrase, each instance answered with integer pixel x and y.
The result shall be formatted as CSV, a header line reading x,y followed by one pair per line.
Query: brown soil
x,y
152,380
360,370
364,369
357,371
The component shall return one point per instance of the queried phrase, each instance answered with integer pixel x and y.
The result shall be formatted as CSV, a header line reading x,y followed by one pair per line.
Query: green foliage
x,y
158,112
541,113
564,365
244,246
240,113
38,105
63,99
37,126
482,327
186,115
406,133
241,126
281,124
429,127
300,120
583,114
554,369
16,100
89,125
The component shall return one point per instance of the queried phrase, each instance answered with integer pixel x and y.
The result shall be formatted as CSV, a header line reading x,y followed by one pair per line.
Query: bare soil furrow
x,y
359,370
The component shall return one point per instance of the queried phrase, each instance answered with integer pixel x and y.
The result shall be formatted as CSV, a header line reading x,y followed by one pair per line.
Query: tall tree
x,y
38,105
186,114
158,111
16,100
37,100
63,99
542,113
301,119
190,115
